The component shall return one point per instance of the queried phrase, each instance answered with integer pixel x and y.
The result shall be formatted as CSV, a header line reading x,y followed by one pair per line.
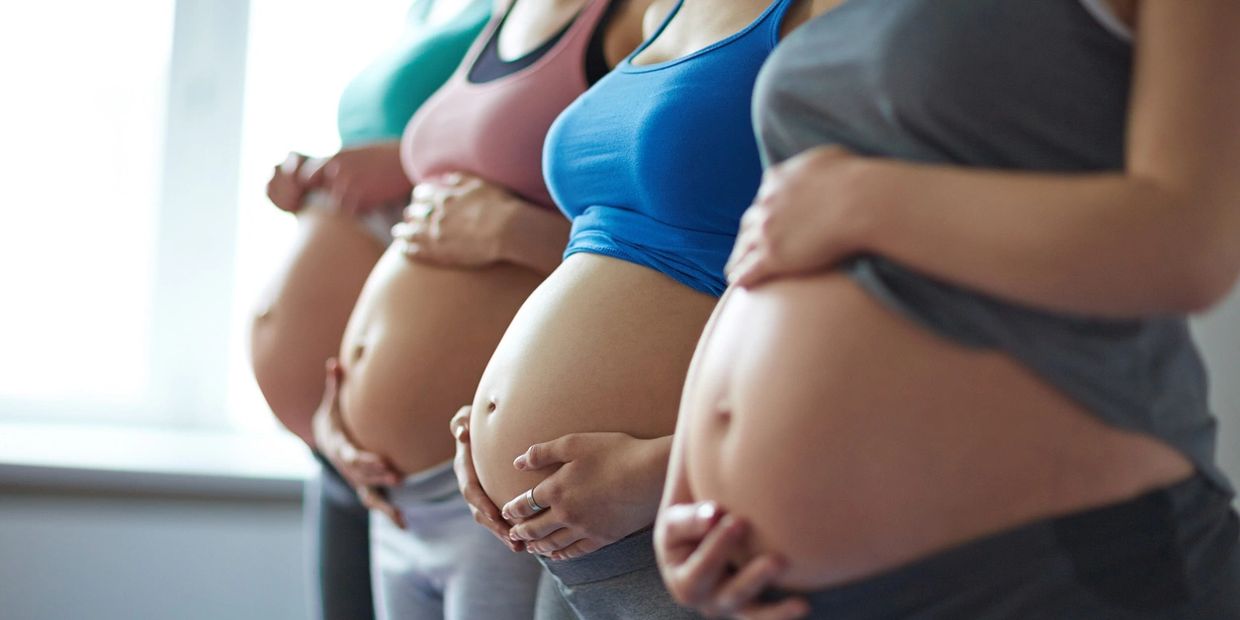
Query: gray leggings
x,y
443,565
1173,554
618,582
338,552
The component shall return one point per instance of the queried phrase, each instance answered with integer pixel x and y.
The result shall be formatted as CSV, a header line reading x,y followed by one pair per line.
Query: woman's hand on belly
x,y
809,214
605,486
485,512
696,544
367,472
461,220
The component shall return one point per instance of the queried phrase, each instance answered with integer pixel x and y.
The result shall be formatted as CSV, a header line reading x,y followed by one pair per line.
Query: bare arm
x,y
1158,238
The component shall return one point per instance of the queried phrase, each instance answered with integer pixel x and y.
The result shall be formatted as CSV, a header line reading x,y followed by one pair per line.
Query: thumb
x,y
320,173
689,523
331,386
546,454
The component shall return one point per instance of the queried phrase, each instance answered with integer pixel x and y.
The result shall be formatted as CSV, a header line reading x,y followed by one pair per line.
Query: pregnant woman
x,y
345,205
481,234
958,382
655,165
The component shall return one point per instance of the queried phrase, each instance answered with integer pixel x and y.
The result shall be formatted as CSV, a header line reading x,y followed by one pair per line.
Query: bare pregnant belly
x,y
415,347
602,345
855,441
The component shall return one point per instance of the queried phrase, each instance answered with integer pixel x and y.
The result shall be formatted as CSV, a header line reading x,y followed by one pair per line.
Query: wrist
x,y
872,196
511,229
656,454
531,237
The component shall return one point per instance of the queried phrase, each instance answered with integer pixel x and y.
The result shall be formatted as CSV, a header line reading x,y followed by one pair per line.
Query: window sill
x,y
118,460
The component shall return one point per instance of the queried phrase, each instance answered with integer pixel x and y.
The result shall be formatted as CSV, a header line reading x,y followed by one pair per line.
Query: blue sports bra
x,y
656,163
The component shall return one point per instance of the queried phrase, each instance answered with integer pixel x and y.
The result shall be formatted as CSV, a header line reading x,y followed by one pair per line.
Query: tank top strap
x,y
577,39
764,28
773,21
574,41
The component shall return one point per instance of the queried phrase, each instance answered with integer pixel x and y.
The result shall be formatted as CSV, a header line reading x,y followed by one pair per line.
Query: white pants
x,y
444,565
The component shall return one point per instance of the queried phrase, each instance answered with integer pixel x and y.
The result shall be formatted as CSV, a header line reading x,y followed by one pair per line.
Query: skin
x,y
1009,449
435,306
579,400
301,317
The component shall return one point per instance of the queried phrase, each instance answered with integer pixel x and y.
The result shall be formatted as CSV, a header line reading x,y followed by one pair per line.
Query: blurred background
x,y
141,474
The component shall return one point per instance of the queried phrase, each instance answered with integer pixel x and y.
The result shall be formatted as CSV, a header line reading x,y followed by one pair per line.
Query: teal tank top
x,y
380,100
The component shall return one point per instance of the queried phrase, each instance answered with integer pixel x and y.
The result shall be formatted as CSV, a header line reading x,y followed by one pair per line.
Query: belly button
x,y
723,411
492,404
358,351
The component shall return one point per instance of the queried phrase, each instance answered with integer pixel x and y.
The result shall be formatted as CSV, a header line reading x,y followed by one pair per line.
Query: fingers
x,y
743,589
685,525
485,512
554,452
331,384
693,581
521,507
375,499
557,541
371,469
319,173
292,163
705,568
582,547
459,425
748,265
539,527
752,270
418,211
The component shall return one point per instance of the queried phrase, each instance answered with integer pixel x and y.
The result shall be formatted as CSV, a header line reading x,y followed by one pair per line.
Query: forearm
x,y
1107,245
534,237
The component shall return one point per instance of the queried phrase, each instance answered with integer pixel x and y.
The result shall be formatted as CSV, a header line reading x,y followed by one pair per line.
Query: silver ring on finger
x,y
534,505
420,210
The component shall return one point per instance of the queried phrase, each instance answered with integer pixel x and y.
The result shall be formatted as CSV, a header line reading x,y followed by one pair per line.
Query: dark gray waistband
x,y
1164,549
633,553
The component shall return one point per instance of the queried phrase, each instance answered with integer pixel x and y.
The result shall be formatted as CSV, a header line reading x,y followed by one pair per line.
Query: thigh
x,y
551,604
490,581
339,530
401,591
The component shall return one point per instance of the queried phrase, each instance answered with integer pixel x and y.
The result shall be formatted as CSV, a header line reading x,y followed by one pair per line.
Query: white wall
x,y
113,556
1219,336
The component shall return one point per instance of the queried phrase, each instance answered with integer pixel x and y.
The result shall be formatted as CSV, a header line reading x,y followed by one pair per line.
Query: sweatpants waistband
x,y
632,553
432,485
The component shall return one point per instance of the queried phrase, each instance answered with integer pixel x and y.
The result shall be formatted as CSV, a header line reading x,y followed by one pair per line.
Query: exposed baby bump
x,y
855,441
415,349
603,345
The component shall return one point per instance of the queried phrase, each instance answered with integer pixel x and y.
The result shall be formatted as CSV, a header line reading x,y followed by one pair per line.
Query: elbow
x,y
1209,264
1210,272
1207,286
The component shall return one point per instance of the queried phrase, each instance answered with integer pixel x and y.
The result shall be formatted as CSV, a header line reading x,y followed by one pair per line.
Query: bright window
x,y
83,125
135,237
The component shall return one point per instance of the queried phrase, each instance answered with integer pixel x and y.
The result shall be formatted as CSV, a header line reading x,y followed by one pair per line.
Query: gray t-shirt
x,y
1000,84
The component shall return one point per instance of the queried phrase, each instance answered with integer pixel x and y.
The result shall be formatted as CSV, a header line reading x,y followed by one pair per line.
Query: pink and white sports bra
x,y
495,129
